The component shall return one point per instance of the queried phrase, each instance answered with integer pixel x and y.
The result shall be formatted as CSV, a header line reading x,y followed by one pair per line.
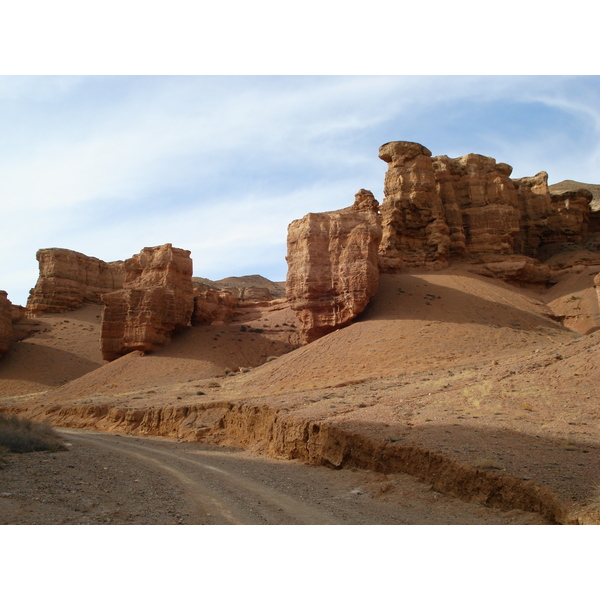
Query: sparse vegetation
x,y
20,435
486,463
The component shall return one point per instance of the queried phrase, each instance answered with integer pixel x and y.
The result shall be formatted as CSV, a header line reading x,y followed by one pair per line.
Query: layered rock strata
x,y
415,229
69,279
6,318
333,265
157,299
439,208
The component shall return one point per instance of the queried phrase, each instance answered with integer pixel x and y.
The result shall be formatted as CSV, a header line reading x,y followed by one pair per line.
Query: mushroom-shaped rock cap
x,y
400,152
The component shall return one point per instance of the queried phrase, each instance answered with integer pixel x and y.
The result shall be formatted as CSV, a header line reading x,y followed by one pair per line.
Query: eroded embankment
x,y
268,430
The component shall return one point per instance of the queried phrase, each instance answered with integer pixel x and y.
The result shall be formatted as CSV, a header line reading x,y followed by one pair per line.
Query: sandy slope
x,y
455,363
58,349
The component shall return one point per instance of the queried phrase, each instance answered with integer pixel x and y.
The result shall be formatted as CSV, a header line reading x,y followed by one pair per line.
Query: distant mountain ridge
x,y
276,289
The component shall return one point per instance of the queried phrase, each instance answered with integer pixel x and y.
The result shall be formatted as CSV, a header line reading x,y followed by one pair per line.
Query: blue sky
x,y
220,165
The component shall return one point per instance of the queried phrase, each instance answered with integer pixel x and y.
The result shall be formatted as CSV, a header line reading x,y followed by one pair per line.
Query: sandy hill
x,y
56,349
419,322
476,371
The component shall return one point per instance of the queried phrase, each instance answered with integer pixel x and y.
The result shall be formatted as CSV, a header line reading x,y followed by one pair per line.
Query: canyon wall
x,y
437,208
157,299
333,265
415,231
69,279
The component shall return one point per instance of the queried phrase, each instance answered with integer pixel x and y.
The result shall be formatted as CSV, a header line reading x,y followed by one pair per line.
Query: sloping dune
x,y
417,323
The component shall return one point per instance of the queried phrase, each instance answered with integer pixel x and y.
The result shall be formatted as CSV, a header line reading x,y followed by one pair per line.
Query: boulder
x,y
69,279
333,265
157,299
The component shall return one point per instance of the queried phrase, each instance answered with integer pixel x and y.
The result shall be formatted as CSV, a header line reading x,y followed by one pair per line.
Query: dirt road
x,y
131,480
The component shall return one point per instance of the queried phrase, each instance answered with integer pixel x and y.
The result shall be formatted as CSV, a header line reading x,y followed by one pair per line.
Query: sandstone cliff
x,y
156,300
6,318
68,279
333,265
415,230
440,208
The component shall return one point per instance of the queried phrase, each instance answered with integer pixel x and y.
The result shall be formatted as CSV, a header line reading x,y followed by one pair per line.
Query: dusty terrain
x,y
108,479
470,384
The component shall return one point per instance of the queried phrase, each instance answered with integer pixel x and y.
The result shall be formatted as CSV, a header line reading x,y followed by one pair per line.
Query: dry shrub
x,y
20,435
486,463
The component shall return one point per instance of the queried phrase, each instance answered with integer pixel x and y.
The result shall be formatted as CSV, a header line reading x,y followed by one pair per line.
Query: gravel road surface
x,y
117,479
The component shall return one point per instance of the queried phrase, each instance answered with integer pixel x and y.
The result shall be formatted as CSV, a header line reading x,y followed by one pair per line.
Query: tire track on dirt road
x,y
221,496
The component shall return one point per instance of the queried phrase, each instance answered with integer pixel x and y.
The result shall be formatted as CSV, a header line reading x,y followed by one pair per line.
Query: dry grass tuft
x,y
20,435
486,463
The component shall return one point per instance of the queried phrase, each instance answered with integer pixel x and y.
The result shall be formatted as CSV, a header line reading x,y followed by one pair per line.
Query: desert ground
x,y
456,387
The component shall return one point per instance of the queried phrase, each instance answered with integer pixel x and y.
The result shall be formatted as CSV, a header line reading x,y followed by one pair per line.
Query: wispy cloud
x,y
221,165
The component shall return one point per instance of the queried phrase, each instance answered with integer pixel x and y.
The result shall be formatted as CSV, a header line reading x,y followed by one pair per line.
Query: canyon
x,y
451,332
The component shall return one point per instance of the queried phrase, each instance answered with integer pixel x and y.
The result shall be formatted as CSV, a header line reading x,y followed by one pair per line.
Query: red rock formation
x,y
438,208
332,265
480,202
156,300
569,217
68,279
212,305
535,206
514,268
415,231
6,318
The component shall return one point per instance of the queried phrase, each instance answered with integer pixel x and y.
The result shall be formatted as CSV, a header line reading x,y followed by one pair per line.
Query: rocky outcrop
x,y
481,201
6,318
569,217
514,268
569,185
535,206
415,230
212,305
157,299
69,279
333,265
440,208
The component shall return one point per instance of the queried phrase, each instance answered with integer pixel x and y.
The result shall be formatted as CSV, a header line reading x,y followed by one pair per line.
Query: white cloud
x,y
221,165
